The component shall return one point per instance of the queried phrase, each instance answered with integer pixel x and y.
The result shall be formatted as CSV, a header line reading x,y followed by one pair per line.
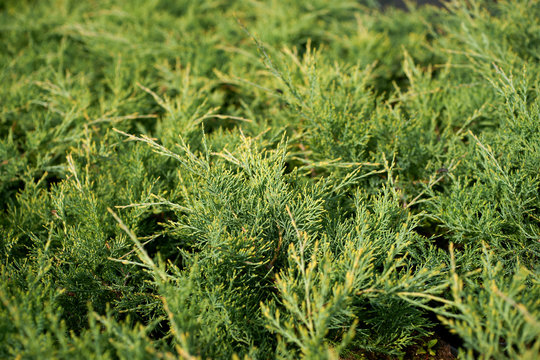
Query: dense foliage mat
x,y
269,179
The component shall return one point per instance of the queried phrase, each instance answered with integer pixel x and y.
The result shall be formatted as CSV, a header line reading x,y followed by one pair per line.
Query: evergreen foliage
x,y
268,179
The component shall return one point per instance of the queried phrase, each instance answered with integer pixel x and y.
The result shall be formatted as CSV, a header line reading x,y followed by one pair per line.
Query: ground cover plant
x,y
269,179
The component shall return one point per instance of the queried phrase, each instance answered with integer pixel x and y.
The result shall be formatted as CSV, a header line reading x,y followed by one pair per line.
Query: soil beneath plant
x,y
442,350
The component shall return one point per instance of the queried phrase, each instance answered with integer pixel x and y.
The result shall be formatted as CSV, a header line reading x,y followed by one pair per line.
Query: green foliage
x,y
489,318
266,179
